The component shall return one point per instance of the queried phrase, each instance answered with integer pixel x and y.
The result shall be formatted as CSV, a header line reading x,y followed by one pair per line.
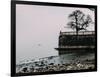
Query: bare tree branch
x,y
79,21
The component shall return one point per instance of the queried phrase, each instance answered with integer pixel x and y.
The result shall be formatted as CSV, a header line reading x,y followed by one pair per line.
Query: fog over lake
x,y
38,27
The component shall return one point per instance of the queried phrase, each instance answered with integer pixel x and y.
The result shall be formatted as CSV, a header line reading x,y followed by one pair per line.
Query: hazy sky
x,y
38,27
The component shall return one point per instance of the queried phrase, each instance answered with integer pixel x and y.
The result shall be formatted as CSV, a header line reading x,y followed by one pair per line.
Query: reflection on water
x,y
73,57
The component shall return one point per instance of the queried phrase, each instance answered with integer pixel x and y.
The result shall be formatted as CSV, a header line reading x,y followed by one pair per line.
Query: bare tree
x,y
79,21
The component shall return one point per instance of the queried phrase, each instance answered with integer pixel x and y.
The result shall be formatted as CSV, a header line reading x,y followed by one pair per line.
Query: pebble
x,y
59,67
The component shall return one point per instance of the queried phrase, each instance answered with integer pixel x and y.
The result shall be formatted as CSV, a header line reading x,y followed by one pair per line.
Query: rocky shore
x,y
87,64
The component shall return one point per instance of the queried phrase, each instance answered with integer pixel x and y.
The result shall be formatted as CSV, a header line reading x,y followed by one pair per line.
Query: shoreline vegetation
x,y
78,65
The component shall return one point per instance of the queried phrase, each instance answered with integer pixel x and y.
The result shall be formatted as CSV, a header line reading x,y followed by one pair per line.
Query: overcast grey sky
x,y
38,27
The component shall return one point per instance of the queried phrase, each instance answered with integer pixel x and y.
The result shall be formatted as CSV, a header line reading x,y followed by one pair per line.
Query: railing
x,y
76,46
79,33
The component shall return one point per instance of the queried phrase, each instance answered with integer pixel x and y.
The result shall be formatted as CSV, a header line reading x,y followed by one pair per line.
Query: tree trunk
x,y
76,34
